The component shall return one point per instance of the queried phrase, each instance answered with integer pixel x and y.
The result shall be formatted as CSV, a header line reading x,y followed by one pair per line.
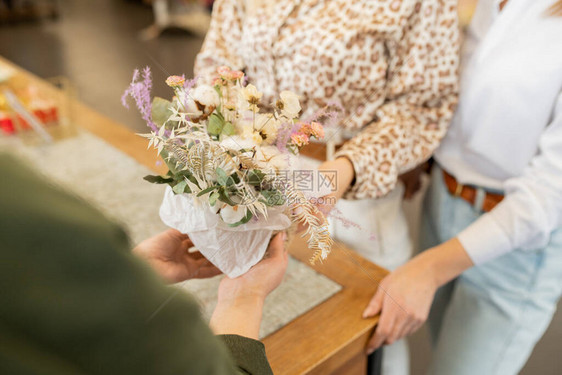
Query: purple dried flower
x,y
333,116
190,83
286,130
139,90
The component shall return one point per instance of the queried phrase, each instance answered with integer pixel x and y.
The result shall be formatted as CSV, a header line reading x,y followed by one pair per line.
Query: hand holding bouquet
x,y
229,185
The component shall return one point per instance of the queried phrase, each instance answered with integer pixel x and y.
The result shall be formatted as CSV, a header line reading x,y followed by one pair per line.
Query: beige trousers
x,y
377,229
381,235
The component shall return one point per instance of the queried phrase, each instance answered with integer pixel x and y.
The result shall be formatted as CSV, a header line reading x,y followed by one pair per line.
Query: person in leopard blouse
x,y
392,65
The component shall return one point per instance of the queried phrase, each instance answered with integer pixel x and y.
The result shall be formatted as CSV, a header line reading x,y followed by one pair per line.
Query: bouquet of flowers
x,y
229,162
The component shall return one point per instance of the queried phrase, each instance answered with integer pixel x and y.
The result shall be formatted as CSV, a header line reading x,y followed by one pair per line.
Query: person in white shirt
x,y
493,213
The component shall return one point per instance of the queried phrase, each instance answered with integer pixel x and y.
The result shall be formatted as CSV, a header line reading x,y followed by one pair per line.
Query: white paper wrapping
x,y
233,250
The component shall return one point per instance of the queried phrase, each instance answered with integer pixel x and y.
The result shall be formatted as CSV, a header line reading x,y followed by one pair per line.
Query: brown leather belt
x,y
468,193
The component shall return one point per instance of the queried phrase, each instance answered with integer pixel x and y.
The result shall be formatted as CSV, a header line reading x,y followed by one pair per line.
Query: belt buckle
x,y
458,189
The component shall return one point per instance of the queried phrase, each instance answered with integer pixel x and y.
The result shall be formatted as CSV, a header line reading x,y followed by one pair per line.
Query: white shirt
x,y
507,131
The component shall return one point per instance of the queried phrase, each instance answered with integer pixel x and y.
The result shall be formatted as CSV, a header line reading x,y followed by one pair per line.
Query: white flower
x,y
267,126
185,103
205,95
270,158
252,96
233,214
192,109
256,138
237,143
249,133
289,104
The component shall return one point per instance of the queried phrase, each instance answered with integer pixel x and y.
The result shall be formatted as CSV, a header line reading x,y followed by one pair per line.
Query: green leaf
x,y
158,179
273,197
213,198
180,187
244,220
205,191
255,177
228,129
171,164
192,179
222,178
223,197
233,179
160,111
215,124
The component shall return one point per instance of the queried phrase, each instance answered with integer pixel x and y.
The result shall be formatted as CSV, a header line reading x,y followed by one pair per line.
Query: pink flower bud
x,y
175,81
299,139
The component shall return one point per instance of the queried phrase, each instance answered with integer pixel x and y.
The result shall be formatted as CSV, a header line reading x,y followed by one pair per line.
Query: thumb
x,y
374,306
277,245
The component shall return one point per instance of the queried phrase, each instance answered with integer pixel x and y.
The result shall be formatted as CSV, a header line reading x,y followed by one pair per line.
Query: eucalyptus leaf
x,y
222,178
215,124
180,187
213,198
169,162
244,220
160,110
233,179
158,179
255,177
273,197
223,197
228,129
192,179
207,190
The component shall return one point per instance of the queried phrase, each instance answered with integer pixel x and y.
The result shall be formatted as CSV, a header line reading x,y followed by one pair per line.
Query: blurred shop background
x,y
96,44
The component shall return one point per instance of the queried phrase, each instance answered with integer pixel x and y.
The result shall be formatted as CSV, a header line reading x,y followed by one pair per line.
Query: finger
x,y
408,329
382,331
276,247
176,234
196,255
187,243
374,306
417,325
201,268
202,262
397,331
207,271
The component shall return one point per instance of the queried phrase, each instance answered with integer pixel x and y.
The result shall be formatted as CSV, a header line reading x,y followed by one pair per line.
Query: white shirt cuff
x,y
484,240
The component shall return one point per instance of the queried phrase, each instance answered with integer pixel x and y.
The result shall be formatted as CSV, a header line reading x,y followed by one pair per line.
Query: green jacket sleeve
x,y
243,348
76,301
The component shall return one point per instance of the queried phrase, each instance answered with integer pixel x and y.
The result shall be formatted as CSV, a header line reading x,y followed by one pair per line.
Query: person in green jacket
x,y
76,300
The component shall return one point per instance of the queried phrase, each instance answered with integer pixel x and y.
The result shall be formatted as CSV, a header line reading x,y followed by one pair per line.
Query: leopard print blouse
x,y
391,64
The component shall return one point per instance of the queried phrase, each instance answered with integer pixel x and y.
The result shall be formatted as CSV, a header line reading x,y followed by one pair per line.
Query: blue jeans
x,y
488,320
